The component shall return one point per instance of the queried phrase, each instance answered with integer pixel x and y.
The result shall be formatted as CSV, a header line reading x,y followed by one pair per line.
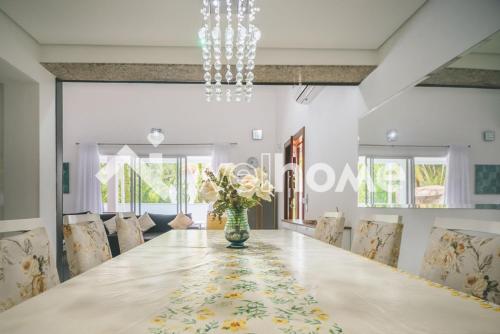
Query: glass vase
x,y
237,230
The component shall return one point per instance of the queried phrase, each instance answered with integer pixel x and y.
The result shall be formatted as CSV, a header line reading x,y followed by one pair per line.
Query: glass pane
x,y
430,175
196,166
158,185
362,190
116,192
389,177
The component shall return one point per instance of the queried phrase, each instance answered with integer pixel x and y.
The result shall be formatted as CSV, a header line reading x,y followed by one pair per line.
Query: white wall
x,y
125,113
331,127
20,150
441,116
22,52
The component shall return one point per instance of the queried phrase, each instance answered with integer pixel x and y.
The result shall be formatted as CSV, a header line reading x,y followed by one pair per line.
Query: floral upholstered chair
x,y
379,238
26,265
330,228
464,262
129,233
86,242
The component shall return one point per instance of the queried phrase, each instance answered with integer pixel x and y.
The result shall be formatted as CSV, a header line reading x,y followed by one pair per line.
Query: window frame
x,y
410,184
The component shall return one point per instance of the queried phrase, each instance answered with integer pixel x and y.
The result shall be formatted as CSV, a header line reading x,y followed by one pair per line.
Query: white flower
x,y
248,186
260,174
209,191
265,191
226,169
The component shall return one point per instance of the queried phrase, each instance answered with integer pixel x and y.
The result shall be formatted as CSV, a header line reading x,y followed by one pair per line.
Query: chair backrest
x,y
86,242
464,261
378,237
472,225
387,219
333,214
26,271
330,228
129,233
84,218
19,225
126,214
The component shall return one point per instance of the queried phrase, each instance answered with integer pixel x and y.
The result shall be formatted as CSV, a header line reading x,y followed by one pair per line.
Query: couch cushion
x,y
110,225
181,222
145,222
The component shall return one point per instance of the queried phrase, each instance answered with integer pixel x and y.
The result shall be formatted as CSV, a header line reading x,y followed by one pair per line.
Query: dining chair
x,y
214,222
126,215
378,237
330,228
464,255
86,242
129,233
26,266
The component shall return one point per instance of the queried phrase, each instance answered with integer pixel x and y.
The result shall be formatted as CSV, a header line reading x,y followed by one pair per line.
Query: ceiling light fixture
x,y
392,135
156,137
240,31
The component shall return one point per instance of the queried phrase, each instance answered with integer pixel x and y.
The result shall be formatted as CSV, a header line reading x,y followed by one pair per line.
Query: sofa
x,y
161,227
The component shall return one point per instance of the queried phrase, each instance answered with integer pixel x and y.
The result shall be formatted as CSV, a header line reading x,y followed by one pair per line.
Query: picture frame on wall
x,y
487,179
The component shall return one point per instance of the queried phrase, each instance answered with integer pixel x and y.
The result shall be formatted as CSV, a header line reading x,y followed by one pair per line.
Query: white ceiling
x,y
321,24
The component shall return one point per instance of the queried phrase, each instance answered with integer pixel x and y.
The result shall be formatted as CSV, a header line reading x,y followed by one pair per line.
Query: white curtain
x,y
220,155
458,181
88,192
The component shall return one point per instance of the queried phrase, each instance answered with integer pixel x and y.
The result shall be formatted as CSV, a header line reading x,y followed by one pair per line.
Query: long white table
x,y
184,281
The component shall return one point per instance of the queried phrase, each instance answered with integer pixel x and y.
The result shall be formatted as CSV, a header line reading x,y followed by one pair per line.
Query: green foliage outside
x,y
429,175
425,175
168,174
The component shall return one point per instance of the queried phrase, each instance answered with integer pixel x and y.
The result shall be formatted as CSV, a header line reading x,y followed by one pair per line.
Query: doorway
x,y
294,205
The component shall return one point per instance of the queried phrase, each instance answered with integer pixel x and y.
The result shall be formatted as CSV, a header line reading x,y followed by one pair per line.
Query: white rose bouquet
x,y
226,190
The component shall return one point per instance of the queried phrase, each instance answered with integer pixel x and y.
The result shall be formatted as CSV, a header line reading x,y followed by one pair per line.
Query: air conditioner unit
x,y
307,93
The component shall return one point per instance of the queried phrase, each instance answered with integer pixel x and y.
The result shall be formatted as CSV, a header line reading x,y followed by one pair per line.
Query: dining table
x,y
188,281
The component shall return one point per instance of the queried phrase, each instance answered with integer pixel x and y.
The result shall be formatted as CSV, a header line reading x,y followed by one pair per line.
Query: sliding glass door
x,y
155,184
159,185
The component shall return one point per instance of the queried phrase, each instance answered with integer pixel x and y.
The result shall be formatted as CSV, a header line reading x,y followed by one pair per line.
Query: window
x,y
395,182
430,174
163,185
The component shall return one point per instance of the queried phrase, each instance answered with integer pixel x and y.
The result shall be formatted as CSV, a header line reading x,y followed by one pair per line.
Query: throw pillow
x,y
181,222
111,225
146,222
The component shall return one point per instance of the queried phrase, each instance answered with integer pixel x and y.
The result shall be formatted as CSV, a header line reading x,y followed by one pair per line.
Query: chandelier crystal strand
x,y
240,50
216,41
241,38
229,35
204,36
253,37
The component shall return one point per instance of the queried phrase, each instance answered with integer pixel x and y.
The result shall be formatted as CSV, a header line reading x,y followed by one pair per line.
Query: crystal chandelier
x,y
240,31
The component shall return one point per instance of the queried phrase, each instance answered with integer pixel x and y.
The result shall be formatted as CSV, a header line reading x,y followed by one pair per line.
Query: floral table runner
x,y
242,291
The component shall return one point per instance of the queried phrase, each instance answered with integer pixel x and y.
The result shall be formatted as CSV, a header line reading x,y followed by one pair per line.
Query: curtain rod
x,y
179,144
382,145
